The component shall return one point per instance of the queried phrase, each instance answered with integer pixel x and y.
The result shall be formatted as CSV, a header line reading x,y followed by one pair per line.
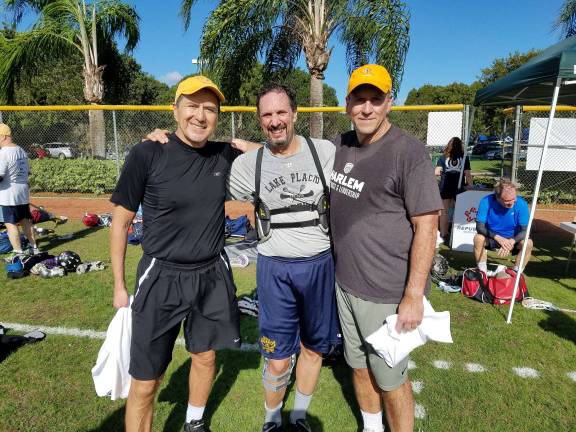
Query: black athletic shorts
x,y
202,295
14,214
493,245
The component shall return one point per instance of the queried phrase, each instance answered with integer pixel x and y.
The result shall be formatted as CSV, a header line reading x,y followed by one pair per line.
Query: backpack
x,y
477,285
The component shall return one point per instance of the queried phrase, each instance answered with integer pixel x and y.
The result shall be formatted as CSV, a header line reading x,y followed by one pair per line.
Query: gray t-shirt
x,y
375,190
14,172
286,181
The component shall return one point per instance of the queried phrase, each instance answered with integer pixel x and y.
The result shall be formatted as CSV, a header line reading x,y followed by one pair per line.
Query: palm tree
x,y
239,31
64,27
566,20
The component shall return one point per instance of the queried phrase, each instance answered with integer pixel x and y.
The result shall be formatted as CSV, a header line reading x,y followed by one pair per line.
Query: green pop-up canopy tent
x,y
548,78
533,83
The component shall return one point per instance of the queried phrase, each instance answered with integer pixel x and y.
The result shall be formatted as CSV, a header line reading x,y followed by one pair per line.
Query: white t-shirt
x,y
14,172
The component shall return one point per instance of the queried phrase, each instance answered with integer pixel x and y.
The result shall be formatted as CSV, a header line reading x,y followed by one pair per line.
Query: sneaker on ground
x,y
301,425
51,272
90,266
13,255
272,427
196,426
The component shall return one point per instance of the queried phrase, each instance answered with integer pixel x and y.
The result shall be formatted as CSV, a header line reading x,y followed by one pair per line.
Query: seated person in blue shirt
x,y
501,225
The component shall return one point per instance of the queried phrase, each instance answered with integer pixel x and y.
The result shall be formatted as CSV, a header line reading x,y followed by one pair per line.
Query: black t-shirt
x,y
375,189
451,173
182,191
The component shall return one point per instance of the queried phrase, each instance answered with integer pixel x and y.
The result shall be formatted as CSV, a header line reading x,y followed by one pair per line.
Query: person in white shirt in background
x,y
15,192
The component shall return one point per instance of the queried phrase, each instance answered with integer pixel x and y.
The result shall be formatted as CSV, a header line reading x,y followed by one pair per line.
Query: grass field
x,y
48,387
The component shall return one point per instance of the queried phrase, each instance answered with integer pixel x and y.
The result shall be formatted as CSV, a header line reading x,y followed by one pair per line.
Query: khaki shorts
x,y
359,319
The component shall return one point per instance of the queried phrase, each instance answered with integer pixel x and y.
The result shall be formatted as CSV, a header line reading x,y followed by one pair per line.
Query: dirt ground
x,y
546,222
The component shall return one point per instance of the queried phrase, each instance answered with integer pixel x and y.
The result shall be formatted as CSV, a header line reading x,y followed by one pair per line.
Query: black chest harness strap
x,y
263,213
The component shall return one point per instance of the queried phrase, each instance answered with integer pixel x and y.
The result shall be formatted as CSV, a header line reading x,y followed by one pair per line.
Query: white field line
x,y
88,333
526,372
417,386
442,364
419,411
474,367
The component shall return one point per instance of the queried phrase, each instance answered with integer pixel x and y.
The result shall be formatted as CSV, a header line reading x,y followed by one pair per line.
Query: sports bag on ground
x,y
503,288
496,290
475,285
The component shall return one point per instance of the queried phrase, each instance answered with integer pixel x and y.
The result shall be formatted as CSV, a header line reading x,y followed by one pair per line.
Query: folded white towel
x,y
393,347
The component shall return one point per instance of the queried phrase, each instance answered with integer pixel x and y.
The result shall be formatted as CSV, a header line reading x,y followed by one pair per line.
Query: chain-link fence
x,y
558,186
73,149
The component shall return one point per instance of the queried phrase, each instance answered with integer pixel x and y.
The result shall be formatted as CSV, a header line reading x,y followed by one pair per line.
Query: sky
x,y
450,40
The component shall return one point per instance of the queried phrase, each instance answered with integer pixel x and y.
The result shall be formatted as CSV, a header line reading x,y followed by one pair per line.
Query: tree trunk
x,y
93,93
316,100
97,133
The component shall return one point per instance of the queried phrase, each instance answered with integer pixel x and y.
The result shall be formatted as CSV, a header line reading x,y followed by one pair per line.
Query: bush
x,y
488,182
72,175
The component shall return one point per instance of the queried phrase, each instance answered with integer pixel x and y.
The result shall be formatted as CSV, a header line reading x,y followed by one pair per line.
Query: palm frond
x,y
566,21
25,55
235,36
186,12
283,52
116,18
377,32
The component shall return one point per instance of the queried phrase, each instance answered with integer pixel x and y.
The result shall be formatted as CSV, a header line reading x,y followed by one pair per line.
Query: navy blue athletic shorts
x,y
14,214
297,303
202,295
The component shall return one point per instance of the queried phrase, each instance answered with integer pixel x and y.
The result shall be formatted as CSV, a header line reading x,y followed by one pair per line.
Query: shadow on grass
x,y
228,366
54,240
343,374
561,324
115,422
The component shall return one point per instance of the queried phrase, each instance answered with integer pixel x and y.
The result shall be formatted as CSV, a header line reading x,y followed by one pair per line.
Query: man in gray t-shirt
x,y
295,272
14,193
384,217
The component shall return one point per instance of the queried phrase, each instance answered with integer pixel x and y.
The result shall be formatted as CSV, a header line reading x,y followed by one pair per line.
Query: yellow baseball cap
x,y
196,83
5,130
372,74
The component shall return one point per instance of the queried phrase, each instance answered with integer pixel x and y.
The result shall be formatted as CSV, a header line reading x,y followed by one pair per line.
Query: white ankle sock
x,y
372,422
483,265
194,413
273,415
301,403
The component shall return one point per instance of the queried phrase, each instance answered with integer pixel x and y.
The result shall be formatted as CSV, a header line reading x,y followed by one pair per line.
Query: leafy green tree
x,y
238,32
63,27
455,93
566,20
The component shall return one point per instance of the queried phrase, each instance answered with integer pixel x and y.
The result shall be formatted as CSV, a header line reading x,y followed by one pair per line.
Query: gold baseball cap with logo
x,y
371,74
196,83
5,130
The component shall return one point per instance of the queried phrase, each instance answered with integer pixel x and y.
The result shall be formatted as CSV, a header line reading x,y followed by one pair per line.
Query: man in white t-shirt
x,y
14,191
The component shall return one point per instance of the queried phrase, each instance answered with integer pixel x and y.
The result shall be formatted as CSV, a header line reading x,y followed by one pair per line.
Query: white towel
x,y
110,374
393,347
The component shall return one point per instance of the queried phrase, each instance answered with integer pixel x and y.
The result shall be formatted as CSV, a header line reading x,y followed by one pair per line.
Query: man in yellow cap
x,y
184,275
14,192
384,215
